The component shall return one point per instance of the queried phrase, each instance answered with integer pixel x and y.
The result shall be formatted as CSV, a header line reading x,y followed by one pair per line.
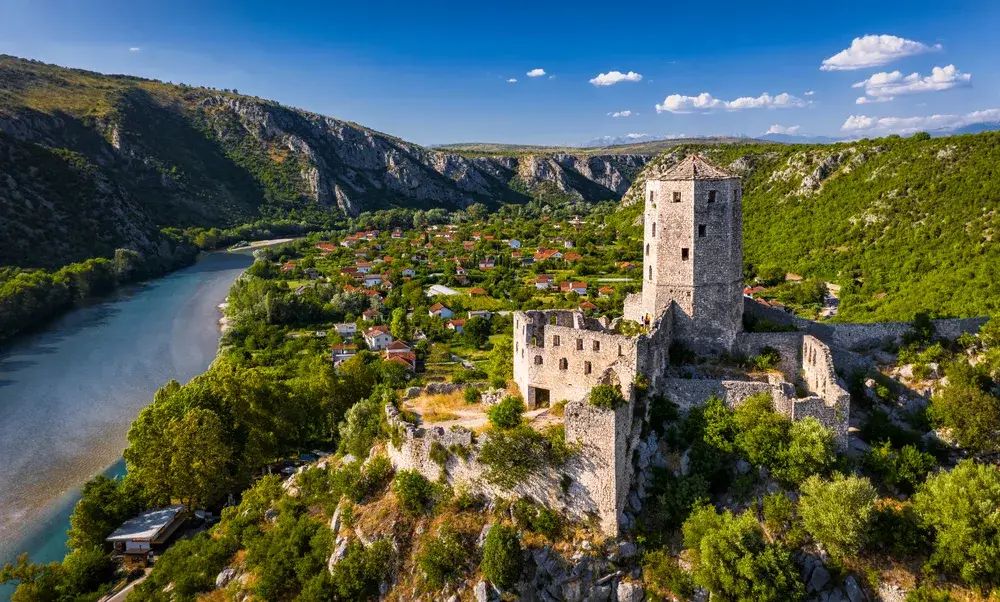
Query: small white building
x,y
440,311
514,244
136,537
456,325
346,329
378,337
343,352
480,313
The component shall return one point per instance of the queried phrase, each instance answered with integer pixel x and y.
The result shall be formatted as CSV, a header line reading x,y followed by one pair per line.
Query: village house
x,y
571,257
135,541
588,306
544,282
440,311
579,288
480,313
342,353
477,292
378,338
408,272
363,267
514,244
458,325
346,329
605,291
373,279
326,247
371,315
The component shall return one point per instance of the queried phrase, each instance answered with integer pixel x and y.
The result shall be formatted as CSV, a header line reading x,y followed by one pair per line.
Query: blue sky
x,y
434,72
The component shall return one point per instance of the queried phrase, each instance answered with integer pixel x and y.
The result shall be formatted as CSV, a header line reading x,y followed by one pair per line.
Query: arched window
x,y
563,364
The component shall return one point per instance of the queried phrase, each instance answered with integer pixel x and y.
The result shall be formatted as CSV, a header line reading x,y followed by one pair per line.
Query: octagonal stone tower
x,y
693,253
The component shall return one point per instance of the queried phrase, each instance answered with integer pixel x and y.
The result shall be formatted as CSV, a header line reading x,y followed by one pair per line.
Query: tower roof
x,y
693,167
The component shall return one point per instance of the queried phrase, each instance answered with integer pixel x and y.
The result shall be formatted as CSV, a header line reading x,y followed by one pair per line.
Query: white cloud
x,y
676,103
552,77
512,81
808,93
536,73
613,77
617,114
875,51
780,129
134,49
883,87
908,125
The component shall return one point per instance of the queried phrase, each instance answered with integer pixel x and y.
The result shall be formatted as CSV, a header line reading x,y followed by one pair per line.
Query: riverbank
x,y
69,393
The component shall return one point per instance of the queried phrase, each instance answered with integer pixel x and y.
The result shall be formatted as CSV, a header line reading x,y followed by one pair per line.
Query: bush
x,y
511,455
606,396
734,562
896,530
663,574
538,519
358,575
779,514
811,450
413,491
506,414
904,469
502,561
926,593
438,454
768,359
960,508
361,427
761,433
972,414
838,513
473,395
442,558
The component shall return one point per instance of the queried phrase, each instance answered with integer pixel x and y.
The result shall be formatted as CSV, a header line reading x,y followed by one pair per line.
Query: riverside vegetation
x,y
757,503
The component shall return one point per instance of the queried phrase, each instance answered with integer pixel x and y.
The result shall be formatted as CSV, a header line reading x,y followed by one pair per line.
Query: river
x,y
69,393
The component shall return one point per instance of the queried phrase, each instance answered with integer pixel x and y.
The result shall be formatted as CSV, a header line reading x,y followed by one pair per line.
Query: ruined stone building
x,y
692,295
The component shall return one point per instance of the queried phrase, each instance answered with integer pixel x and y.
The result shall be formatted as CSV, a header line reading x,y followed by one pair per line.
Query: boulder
x,y
854,591
819,578
627,549
338,554
630,592
834,595
481,540
412,392
742,466
482,592
223,579
601,593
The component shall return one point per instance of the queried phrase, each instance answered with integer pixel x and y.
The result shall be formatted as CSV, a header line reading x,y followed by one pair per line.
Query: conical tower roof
x,y
693,167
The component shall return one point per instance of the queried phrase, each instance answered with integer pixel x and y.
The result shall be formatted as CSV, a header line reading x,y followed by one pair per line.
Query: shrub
x,y
473,395
664,575
670,500
779,513
442,558
361,427
734,562
960,507
904,469
972,414
358,574
761,433
606,396
926,593
511,455
413,490
896,530
438,454
502,561
767,359
538,519
838,512
506,414
811,450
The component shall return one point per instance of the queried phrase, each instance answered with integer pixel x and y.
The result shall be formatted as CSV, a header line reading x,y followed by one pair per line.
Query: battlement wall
x,y
832,403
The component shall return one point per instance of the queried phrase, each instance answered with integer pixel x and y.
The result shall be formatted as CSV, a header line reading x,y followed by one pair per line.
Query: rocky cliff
x,y
176,155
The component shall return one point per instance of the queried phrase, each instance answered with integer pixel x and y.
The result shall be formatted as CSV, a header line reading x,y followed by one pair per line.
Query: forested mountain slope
x,y
175,155
903,225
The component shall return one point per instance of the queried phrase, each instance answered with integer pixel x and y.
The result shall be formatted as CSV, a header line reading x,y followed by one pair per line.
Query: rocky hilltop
x,y
124,156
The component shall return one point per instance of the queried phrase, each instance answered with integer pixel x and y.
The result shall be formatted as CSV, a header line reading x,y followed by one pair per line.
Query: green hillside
x,y
903,225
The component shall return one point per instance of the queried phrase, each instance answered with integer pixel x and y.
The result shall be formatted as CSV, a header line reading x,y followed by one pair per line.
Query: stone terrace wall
x,y
788,344
596,488
688,393
832,403
850,335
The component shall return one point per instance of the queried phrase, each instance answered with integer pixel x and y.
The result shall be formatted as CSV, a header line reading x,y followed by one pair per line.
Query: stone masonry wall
x,y
852,335
832,403
567,354
787,344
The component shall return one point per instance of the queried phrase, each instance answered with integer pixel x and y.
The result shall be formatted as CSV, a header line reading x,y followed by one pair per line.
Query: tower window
x,y
647,249
654,229
711,196
685,254
701,230
597,345
652,196
563,363
586,368
538,360
555,340
579,344
736,196
677,197
650,272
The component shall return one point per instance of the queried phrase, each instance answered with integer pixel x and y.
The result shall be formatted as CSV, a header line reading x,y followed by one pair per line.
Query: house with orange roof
x,y
440,311
378,337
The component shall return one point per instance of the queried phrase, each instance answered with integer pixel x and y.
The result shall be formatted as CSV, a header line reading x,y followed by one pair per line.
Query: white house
x,y
408,272
378,337
373,279
364,267
514,244
343,352
346,329
137,536
440,311
456,325
480,313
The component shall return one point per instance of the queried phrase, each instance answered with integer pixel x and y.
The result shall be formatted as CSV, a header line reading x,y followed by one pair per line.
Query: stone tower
x,y
693,253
